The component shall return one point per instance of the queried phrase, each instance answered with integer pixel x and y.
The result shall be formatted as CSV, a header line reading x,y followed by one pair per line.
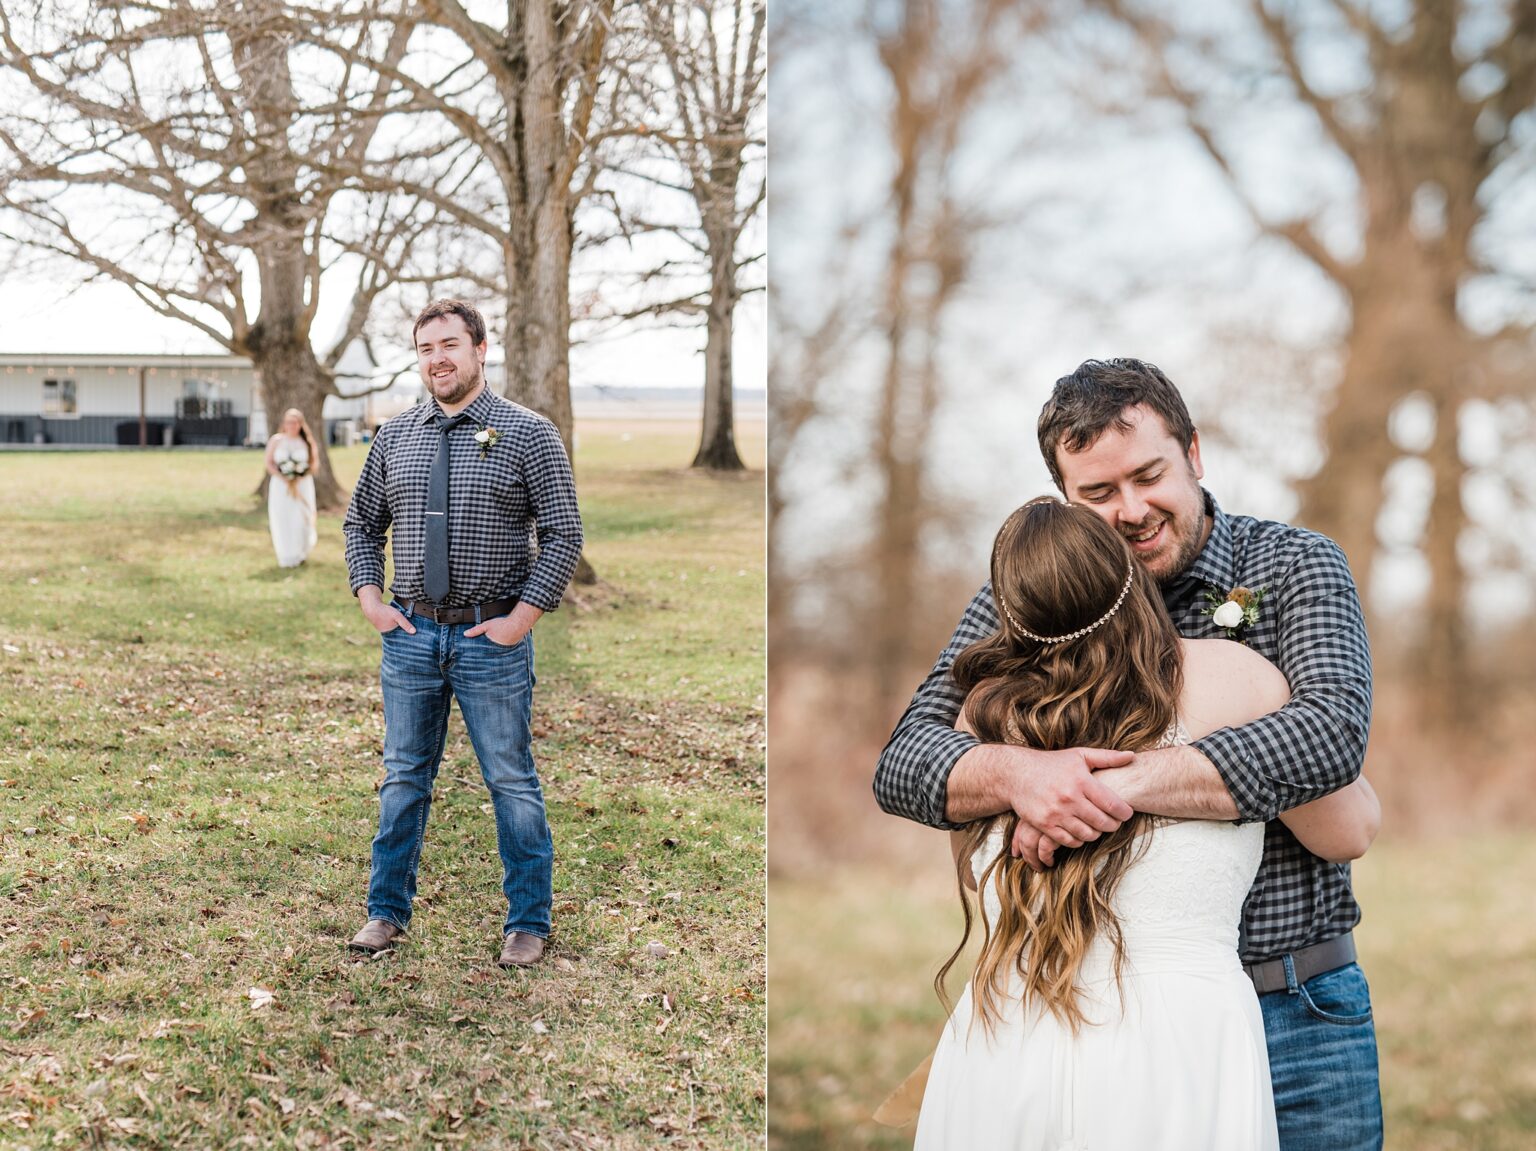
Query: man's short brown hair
x,y
1093,399
467,312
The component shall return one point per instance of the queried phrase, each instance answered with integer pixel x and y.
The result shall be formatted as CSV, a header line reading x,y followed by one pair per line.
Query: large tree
x,y
532,95
1428,106
205,157
714,56
522,93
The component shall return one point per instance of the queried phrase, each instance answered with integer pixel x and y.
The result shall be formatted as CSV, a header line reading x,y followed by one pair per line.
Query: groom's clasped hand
x,y
1058,798
1061,802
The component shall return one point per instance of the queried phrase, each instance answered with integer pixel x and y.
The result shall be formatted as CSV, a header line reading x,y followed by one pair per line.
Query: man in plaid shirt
x,y
1118,439
464,481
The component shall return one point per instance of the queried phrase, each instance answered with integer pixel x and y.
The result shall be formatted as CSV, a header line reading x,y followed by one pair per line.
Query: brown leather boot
x,y
377,935
520,950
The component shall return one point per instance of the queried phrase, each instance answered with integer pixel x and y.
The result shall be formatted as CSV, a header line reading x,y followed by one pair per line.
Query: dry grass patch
x,y
187,779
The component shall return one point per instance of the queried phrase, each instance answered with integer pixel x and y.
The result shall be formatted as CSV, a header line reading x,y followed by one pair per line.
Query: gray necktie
x,y
436,582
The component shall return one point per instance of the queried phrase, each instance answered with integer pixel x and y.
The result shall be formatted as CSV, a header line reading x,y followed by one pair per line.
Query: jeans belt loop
x,y
1291,986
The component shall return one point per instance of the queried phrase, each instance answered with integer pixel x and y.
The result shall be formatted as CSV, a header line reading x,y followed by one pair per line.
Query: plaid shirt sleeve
x,y
1316,743
557,519
912,777
367,523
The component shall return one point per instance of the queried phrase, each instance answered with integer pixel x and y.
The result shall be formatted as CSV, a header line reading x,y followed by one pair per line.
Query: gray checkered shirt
x,y
524,482
1310,626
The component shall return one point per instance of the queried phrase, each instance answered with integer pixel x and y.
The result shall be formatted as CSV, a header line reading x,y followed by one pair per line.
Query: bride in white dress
x,y
1108,1009
291,490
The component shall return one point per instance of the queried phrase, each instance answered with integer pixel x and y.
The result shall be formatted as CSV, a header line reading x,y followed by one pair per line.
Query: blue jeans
x,y
422,674
1322,1059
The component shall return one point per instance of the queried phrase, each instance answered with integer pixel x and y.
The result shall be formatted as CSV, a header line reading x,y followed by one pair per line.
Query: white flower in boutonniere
x,y
1229,615
1234,611
486,437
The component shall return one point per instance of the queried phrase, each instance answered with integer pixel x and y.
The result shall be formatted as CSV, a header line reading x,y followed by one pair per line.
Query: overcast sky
x,y
44,316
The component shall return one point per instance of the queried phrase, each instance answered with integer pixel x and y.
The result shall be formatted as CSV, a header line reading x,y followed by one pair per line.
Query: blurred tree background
x,y
1317,217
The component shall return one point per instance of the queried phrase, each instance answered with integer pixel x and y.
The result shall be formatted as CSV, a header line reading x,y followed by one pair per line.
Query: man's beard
x,y
1188,551
1186,541
459,387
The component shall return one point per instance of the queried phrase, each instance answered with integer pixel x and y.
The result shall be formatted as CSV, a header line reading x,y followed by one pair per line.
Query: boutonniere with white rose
x,y
1234,610
487,437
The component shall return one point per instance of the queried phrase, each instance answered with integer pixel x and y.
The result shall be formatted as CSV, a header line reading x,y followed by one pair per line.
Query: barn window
x,y
59,398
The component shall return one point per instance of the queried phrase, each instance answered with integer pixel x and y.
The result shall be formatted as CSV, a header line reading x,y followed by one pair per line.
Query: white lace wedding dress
x,y
291,506
1183,1067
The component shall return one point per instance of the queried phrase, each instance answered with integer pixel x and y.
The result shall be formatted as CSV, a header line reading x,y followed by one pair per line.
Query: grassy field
x,y
191,741
1449,943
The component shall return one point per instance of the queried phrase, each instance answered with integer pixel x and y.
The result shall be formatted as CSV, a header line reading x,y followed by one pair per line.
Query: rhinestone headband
x,y
1125,590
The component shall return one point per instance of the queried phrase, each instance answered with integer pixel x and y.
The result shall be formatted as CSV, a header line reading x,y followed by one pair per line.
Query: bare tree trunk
x,y
1403,342
900,514
714,53
717,444
278,340
538,323
1344,498
541,152
539,277
1444,669
291,377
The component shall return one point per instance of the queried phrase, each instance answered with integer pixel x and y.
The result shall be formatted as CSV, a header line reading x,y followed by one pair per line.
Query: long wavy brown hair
x,y
1057,568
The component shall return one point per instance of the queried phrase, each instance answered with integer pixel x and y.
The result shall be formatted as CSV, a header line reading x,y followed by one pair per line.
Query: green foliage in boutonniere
x,y
1234,610
487,438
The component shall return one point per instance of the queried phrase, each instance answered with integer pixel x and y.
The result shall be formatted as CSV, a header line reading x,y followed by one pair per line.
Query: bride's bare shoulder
x,y
1226,685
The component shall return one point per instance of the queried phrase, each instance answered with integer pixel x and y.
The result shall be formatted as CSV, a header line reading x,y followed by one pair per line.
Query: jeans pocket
x,y
504,646
1339,996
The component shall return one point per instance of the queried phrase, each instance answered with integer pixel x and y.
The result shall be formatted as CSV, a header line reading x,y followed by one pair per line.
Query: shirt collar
x,y
1217,562
478,412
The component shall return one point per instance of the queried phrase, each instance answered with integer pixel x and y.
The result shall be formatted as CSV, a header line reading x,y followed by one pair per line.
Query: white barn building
x,y
153,400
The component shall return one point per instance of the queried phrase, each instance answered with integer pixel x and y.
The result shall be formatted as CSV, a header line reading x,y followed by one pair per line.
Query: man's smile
x,y
1146,539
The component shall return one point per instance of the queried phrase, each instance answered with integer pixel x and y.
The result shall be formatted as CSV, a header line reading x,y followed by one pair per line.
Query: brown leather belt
x,y
1269,976
474,613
